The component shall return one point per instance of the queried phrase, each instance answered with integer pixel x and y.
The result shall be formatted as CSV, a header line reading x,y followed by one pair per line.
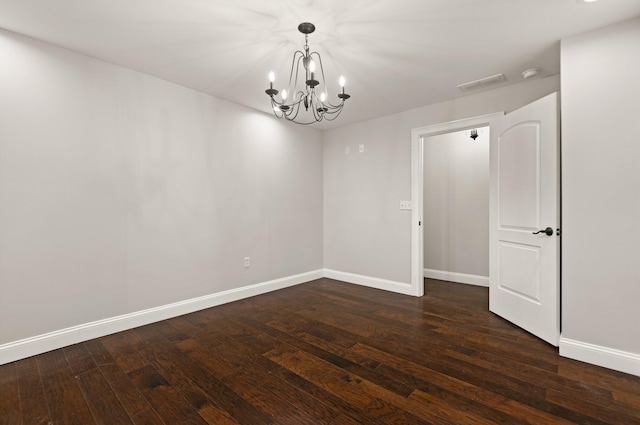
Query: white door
x,y
524,269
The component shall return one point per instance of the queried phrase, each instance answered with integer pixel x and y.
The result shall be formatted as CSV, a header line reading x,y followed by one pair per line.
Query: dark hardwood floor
x,y
324,352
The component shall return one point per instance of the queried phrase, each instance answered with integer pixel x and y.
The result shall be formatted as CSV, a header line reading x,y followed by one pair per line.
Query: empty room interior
x,y
319,212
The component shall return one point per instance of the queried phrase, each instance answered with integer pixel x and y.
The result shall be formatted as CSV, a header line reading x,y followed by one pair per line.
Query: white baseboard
x,y
372,282
61,338
469,279
610,358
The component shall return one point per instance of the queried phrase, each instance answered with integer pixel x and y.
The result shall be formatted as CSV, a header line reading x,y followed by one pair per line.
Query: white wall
x,y
121,192
601,196
365,233
456,205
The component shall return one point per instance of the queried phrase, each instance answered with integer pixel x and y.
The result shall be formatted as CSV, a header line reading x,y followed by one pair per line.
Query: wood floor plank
x,y
348,412
309,334
123,348
129,396
201,376
617,382
593,407
260,396
322,374
147,417
505,399
337,360
391,413
155,351
103,402
324,352
79,358
345,420
65,400
98,352
33,404
250,361
436,410
428,380
164,399
9,395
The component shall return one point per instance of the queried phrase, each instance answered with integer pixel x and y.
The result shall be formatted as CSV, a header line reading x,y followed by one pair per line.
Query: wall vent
x,y
473,85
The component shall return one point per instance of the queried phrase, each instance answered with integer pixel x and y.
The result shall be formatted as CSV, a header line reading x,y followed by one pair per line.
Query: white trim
x,y
417,189
417,235
622,361
469,279
27,347
457,125
371,282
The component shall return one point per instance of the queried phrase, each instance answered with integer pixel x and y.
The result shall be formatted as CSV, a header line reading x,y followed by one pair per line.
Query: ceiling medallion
x,y
309,93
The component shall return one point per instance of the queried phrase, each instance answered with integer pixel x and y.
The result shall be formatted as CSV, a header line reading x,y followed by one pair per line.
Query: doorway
x,y
418,136
456,206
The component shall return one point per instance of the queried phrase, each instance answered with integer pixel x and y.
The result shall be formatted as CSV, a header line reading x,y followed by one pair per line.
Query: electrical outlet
x,y
247,262
405,205
361,148
346,150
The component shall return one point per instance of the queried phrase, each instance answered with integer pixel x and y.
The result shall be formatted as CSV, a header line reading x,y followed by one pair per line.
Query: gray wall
x,y
364,231
601,188
121,192
456,203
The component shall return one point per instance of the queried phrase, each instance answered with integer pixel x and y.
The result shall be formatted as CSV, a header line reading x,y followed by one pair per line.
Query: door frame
x,y
417,187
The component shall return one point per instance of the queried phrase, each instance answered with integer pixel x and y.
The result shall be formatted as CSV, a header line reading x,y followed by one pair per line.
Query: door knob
x,y
548,231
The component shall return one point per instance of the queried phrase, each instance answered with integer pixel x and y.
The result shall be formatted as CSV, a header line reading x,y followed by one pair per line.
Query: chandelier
x,y
309,92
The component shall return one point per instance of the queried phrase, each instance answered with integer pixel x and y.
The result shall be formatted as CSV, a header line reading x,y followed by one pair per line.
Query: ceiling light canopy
x,y
309,92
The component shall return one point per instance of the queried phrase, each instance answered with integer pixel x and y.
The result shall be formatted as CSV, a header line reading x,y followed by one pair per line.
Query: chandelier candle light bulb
x,y
271,91
309,93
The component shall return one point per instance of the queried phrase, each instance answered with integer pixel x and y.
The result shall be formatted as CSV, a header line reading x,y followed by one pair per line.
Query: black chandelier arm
x,y
299,122
317,114
300,94
275,112
339,105
324,82
287,114
290,114
295,66
333,115
326,106
293,114
331,111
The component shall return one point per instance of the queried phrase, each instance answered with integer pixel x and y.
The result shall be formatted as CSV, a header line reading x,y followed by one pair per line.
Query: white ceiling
x,y
395,54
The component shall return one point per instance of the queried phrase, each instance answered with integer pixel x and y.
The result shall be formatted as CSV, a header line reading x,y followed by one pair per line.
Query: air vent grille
x,y
473,85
